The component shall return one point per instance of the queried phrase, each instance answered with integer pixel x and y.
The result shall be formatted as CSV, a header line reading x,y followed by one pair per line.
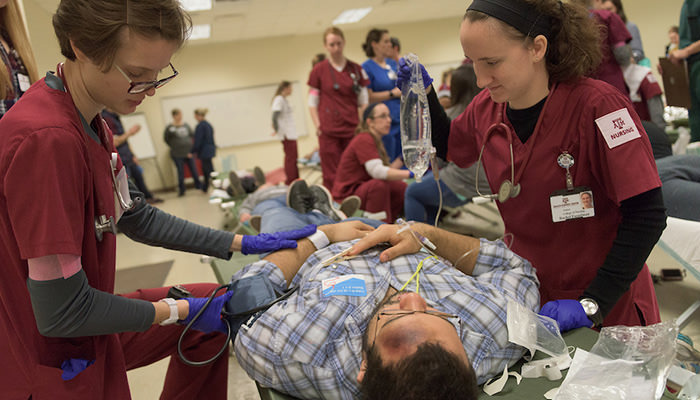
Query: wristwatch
x,y
590,307
391,94
174,315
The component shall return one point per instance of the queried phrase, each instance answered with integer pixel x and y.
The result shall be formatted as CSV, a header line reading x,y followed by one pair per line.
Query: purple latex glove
x,y
210,320
568,313
404,74
73,366
266,242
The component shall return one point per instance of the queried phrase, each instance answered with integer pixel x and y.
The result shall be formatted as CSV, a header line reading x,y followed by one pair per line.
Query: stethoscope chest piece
x,y
507,190
104,224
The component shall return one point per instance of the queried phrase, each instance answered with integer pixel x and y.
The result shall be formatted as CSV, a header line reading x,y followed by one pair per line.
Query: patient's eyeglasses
x,y
451,318
140,87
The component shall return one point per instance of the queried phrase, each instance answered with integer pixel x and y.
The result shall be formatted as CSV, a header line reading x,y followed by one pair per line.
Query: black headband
x,y
368,111
515,13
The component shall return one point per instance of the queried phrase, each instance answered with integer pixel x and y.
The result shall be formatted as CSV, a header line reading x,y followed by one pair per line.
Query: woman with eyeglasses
x,y
337,95
19,70
63,189
364,168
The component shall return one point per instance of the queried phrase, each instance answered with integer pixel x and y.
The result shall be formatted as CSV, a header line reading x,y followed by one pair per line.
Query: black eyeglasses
x,y
402,313
140,87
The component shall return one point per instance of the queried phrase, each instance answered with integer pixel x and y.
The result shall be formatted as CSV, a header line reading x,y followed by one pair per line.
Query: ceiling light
x,y
200,32
350,16
196,5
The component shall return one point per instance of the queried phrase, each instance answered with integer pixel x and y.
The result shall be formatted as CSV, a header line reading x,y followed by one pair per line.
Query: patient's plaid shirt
x,y
309,346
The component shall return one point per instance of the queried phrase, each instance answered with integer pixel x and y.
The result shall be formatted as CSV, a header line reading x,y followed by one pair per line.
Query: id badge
x,y
24,82
123,188
391,74
345,285
572,204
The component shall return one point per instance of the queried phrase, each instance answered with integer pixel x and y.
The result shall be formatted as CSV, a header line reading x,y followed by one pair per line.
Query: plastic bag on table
x,y
415,121
537,332
626,363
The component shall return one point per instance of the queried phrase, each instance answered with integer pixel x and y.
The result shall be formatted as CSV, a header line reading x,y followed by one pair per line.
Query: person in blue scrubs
x,y
381,70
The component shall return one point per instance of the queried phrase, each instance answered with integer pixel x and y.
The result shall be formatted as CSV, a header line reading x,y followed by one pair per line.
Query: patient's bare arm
x,y
451,246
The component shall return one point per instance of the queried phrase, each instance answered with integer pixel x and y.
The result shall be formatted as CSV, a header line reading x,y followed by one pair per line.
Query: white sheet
x,y
683,237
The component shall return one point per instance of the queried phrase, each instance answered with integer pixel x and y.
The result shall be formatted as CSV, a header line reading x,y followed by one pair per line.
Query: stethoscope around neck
x,y
103,223
508,188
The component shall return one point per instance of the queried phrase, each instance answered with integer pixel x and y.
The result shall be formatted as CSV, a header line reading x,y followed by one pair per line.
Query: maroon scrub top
x,y
613,32
566,254
337,108
351,171
55,181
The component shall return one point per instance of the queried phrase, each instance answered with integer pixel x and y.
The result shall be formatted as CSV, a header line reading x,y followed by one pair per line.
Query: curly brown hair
x,y
573,48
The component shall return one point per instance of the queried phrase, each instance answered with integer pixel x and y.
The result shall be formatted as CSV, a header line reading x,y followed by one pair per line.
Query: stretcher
x,y
531,389
681,240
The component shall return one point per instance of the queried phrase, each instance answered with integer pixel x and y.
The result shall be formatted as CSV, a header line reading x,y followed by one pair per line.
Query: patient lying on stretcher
x,y
417,326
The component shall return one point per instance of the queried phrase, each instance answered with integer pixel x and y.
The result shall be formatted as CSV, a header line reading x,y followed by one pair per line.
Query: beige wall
x,y
217,67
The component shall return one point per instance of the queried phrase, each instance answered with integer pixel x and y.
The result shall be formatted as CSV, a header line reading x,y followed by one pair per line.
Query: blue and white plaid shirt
x,y
310,346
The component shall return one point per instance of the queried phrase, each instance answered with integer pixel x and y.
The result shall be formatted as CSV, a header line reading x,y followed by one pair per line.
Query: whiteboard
x,y
141,143
239,116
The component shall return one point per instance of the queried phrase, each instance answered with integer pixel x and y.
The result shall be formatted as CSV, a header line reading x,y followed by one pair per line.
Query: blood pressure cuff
x,y
252,295
72,308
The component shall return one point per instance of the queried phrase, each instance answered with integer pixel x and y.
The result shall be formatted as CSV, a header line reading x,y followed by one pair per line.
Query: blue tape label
x,y
346,285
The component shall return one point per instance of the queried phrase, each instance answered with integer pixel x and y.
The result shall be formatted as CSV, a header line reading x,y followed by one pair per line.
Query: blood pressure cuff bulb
x,y
252,295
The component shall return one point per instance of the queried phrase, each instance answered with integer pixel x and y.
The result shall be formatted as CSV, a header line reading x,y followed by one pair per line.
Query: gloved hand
x,y
73,366
266,242
404,74
210,320
568,313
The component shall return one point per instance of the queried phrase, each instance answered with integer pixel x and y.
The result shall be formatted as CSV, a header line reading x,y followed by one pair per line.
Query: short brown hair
x,y
430,373
333,30
573,45
94,26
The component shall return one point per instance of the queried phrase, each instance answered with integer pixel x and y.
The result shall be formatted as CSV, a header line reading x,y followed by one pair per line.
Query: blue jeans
x,y
277,217
180,163
422,199
207,169
134,172
680,176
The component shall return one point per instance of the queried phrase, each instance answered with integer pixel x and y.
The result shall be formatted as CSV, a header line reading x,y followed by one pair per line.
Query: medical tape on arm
x,y
314,97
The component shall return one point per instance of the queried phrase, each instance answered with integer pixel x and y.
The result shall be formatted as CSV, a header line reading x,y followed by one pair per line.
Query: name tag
x,y
617,128
574,204
24,82
346,285
123,188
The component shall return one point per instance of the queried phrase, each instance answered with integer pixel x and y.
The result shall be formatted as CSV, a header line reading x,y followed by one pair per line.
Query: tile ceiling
x,y
233,20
